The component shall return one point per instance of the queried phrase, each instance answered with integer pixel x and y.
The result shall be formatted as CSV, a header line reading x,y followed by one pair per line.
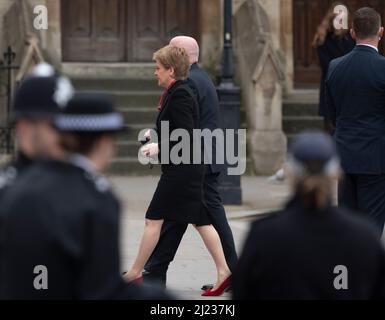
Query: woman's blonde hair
x,y
174,57
314,191
327,26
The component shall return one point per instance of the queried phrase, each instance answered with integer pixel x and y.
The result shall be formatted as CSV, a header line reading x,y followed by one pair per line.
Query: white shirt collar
x,y
368,45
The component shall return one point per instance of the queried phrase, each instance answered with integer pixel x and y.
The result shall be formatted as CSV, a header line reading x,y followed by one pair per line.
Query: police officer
x,y
37,99
311,250
61,236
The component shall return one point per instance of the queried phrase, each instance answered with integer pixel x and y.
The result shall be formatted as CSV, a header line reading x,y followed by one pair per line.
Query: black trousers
x,y
172,233
365,194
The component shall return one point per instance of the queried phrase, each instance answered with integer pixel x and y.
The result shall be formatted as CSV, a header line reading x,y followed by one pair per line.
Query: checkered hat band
x,y
89,122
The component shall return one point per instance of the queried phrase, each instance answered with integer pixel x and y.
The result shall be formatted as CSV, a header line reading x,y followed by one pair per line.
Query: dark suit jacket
x,y
333,47
292,254
355,97
208,102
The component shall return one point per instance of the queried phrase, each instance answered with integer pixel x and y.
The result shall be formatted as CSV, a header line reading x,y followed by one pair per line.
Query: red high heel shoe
x,y
138,280
217,292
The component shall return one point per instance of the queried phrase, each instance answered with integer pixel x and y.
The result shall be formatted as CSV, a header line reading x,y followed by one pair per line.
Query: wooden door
x,y
123,30
307,15
155,22
93,30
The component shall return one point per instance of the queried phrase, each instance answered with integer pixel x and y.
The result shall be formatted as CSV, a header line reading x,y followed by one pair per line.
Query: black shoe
x,y
153,277
210,286
207,286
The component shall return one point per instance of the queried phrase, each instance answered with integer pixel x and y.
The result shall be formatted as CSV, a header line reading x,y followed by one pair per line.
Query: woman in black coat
x,y
179,194
330,43
310,249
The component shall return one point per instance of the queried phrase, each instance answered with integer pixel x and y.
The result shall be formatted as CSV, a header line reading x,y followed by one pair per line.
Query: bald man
x,y
172,232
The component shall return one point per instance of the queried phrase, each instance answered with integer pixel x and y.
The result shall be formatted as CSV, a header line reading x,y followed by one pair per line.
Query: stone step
x,y
108,70
299,109
126,149
116,84
131,166
302,96
135,115
296,124
127,99
131,131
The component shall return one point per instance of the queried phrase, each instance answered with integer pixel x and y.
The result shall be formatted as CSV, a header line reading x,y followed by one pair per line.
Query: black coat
x,y
333,47
292,254
12,170
207,98
61,217
355,93
179,194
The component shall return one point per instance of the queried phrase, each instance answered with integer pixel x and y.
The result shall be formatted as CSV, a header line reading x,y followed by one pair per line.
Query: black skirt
x,y
179,195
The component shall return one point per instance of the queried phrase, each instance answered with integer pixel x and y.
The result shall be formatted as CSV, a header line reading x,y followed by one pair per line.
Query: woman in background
x,y
330,43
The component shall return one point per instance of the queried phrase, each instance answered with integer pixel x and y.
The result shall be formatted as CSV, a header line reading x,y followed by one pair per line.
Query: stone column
x,y
50,39
4,7
261,75
272,7
53,44
210,29
286,40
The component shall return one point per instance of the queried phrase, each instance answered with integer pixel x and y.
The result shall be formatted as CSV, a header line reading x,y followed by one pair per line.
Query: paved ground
x,y
192,266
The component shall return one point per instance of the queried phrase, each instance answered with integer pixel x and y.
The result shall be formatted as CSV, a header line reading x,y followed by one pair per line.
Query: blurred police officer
x,y
311,250
60,238
36,101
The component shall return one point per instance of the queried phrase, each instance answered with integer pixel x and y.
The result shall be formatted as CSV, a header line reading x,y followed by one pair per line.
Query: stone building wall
x,y
280,19
11,34
281,27
210,26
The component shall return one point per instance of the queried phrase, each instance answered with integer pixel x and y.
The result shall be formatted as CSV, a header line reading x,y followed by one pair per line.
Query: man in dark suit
x,y
172,233
355,97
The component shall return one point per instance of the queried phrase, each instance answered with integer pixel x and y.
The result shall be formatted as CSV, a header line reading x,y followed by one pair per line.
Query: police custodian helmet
x,y
313,153
41,94
89,112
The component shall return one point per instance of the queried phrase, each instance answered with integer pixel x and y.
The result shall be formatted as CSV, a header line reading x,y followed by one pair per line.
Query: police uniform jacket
x,y
299,253
12,170
60,221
